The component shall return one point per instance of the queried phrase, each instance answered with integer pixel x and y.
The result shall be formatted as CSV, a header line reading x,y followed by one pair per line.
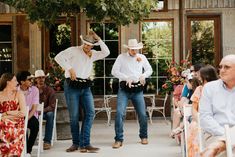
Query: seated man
x,y
217,107
31,94
46,95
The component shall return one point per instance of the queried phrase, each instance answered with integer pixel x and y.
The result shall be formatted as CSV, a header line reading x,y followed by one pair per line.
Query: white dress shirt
x,y
75,57
128,67
217,107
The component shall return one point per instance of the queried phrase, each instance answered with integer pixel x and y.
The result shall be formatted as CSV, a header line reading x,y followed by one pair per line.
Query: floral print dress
x,y
11,131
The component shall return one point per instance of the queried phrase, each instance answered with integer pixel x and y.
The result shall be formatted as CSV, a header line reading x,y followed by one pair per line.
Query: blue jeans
x,y
74,98
49,117
139,104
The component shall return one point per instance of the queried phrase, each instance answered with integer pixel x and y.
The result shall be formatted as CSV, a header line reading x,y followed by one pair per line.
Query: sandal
x,y
175,132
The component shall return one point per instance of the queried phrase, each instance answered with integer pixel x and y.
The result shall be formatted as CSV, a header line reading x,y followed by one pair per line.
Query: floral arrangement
x,y
56,76
174,76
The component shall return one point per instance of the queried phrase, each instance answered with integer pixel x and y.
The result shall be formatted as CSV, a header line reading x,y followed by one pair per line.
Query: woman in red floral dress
x,y
12,108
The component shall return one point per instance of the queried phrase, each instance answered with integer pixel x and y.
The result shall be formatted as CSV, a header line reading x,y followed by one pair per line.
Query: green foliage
x,y
59,41
122,12
203,42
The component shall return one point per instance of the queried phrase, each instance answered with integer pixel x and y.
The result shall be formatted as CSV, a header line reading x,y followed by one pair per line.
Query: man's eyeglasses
x,y
225,67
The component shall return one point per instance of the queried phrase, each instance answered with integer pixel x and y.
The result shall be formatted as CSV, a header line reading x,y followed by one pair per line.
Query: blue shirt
x,y
217,107
187,92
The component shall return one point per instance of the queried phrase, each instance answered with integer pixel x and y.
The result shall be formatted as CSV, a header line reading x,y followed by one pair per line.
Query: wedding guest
x,y
217,107
31,94
12,110
46,95
207,74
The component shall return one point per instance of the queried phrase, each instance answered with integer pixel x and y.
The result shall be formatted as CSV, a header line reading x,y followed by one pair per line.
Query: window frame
x,y
4,23
104,77
171,20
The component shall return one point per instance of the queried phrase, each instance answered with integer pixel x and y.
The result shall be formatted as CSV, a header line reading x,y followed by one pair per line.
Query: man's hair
x,y
22,76
230,57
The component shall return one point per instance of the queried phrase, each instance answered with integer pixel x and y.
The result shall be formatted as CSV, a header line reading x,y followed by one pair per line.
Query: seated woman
x,y
207,74
13,109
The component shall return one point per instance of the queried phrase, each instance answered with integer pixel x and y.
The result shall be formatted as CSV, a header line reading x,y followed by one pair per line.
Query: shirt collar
x,y
225,87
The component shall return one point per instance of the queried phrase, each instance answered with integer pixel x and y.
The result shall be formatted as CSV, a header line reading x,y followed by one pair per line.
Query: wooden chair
x,y
230,140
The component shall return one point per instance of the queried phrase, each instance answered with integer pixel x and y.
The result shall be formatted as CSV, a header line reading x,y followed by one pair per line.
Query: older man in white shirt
x,y
128,67
217,106
78,63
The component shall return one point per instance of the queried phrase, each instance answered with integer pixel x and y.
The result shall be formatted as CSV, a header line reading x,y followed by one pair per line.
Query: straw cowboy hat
x,y
133,44
89,40
39,73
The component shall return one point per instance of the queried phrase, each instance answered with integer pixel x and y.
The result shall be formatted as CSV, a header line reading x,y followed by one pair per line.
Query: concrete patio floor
x,y
160,145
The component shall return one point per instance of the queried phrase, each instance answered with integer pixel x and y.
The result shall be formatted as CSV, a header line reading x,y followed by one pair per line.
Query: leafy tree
x,y
203,42
122,12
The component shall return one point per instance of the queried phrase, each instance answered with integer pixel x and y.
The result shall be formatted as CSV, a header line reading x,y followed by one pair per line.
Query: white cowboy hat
x,y
39,73
133,44
89,40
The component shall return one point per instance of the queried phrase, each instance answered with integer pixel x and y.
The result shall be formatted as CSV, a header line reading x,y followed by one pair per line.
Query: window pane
x,y
98,68
108,67
113,47
157,37
5,49
112,85
60,38
202,38
98,29
111,31
98,86
153,63
162,67
109,34
5,66
151,85
5,33
5,52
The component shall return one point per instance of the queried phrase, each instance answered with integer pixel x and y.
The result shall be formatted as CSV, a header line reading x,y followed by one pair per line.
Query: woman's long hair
x,y
4,78
208,73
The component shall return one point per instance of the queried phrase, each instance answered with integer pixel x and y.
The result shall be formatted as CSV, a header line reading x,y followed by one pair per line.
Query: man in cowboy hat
x,y
78,62
46,95
128,68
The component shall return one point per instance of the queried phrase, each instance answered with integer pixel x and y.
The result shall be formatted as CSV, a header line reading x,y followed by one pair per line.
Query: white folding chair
x,y
54,133
160,109
40,108
230,140
24,152
187,111
200,134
